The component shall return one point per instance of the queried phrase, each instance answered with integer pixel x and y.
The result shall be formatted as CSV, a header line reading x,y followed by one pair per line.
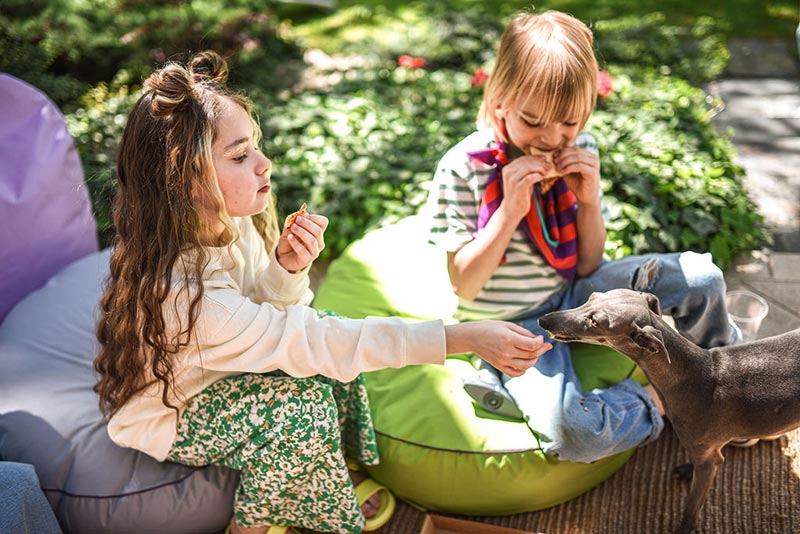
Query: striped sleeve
x,y
454,199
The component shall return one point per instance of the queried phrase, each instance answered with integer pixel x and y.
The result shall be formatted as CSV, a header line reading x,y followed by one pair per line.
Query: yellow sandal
x,y
366,489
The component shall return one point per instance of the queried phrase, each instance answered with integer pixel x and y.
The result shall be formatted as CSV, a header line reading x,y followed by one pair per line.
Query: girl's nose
x,y
264,165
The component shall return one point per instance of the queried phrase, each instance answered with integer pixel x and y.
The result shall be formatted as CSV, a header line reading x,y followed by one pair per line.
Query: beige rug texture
x,y
757,491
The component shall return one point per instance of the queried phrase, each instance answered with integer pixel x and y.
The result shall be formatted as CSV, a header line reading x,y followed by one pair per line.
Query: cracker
x,y
552,175
291,218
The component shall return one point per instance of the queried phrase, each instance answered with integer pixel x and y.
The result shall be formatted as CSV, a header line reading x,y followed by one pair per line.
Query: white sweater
x,y
254,319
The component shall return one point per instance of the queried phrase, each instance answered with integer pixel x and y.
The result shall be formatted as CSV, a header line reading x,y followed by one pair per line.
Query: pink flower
x,y
605,84
479,78
412,62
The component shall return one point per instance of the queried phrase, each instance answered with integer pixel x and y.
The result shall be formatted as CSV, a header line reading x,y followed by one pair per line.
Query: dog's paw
x,y
683,472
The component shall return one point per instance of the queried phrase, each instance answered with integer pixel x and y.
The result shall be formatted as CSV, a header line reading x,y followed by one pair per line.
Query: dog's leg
x,y
683,472
706,462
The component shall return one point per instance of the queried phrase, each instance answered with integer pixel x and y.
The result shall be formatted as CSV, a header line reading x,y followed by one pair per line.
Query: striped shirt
x,y
525,280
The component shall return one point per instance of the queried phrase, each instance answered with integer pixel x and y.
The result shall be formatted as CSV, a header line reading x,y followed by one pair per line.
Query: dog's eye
x,y
590,321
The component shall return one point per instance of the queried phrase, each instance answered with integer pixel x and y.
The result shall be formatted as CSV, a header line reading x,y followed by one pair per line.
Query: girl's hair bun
x,y
171,88
209,66
175,86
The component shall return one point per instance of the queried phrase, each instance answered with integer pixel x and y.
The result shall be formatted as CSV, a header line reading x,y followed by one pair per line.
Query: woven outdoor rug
x,y
757,491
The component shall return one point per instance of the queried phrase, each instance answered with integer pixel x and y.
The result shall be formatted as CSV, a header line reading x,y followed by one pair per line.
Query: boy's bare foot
x,y
371,505
652,391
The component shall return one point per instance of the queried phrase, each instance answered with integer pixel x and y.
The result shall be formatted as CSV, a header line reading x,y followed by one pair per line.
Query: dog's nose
x,y
546,321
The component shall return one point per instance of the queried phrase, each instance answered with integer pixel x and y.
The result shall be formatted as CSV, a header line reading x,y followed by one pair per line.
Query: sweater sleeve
x,y
236,335
273,283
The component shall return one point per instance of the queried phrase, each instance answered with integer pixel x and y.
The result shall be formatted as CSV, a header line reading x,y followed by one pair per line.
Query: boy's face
x,y
525,130
243,172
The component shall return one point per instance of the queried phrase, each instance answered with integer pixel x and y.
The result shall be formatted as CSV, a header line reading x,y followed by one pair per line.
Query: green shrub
x,y
97,128
668,174
65,46
696,53
363,148
362,153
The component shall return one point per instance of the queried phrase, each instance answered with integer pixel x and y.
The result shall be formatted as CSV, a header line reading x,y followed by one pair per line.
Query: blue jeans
x,y
585,426
23,507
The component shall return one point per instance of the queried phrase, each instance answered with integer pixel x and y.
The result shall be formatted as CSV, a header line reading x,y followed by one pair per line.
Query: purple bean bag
x,y
49,415
46,215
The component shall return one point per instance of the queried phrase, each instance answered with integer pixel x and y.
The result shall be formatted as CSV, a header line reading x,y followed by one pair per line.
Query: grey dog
x,y
711,396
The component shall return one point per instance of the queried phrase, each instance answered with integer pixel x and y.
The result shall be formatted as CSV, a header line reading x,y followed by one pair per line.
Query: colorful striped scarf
x,y
550,224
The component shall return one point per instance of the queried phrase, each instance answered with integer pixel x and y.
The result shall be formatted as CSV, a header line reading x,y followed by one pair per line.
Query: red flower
x,y
412,62
479,78
605,85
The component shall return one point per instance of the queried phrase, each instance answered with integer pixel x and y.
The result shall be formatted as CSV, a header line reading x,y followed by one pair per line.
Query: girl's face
x,y
524,128
243,172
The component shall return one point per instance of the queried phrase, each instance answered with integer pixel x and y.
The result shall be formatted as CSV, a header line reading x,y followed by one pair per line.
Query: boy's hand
x,y
301,241
507,346
518,179
581,171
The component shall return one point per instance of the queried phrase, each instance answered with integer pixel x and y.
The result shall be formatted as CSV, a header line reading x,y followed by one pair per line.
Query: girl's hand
x,y
507,346
301,242
581,170
518,179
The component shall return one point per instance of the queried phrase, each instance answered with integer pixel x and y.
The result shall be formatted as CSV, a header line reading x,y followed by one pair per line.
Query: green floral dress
x,y
287,437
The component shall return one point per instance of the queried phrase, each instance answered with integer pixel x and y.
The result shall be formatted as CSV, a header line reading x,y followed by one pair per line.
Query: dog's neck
x,y
684,360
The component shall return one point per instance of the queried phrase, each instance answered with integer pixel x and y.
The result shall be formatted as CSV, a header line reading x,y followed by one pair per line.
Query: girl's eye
x,y
240,159
531,124
570,124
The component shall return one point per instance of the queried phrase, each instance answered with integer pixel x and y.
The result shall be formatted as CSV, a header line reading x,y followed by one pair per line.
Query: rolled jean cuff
x,y
658,421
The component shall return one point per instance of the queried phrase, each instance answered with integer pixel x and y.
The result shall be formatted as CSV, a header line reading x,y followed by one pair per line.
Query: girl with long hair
x,y
209,353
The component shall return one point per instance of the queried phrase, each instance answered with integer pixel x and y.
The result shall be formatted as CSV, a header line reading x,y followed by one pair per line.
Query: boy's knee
x,y
646,275
702,274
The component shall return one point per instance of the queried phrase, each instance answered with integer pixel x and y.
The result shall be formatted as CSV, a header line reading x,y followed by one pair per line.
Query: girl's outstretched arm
x,y
507,346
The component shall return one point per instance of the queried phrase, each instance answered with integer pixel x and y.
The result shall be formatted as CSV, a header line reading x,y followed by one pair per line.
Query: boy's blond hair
x,y
549,56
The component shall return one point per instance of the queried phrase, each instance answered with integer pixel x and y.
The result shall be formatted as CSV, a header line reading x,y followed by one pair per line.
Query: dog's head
x,y
620,318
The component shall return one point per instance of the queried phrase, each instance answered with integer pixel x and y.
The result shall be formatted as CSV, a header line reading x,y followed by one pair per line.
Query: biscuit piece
x,y
552,175
290,219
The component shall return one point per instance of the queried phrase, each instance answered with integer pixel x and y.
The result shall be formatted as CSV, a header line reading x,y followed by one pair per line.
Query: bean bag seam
x,y
444,449
118,495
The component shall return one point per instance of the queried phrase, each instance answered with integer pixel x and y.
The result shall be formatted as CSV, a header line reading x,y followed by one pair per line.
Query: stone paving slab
x,y
762,115
757,57
776,277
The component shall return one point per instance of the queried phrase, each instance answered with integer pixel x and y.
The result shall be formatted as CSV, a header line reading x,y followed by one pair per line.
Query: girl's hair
x,y
549,56
166,183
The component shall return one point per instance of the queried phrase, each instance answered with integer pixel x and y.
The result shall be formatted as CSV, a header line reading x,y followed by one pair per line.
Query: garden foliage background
x,y
356,133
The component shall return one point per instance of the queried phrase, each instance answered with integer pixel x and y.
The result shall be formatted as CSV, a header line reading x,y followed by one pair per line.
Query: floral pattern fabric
x,y
288,437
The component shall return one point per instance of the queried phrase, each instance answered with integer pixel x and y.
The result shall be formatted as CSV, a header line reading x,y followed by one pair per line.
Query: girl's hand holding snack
x,y
509,347
301,240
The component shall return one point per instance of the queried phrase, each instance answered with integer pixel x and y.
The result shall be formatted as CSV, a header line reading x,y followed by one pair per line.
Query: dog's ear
x,y
649,338
652,303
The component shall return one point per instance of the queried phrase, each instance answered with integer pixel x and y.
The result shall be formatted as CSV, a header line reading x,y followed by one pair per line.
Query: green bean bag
x,y
438,449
